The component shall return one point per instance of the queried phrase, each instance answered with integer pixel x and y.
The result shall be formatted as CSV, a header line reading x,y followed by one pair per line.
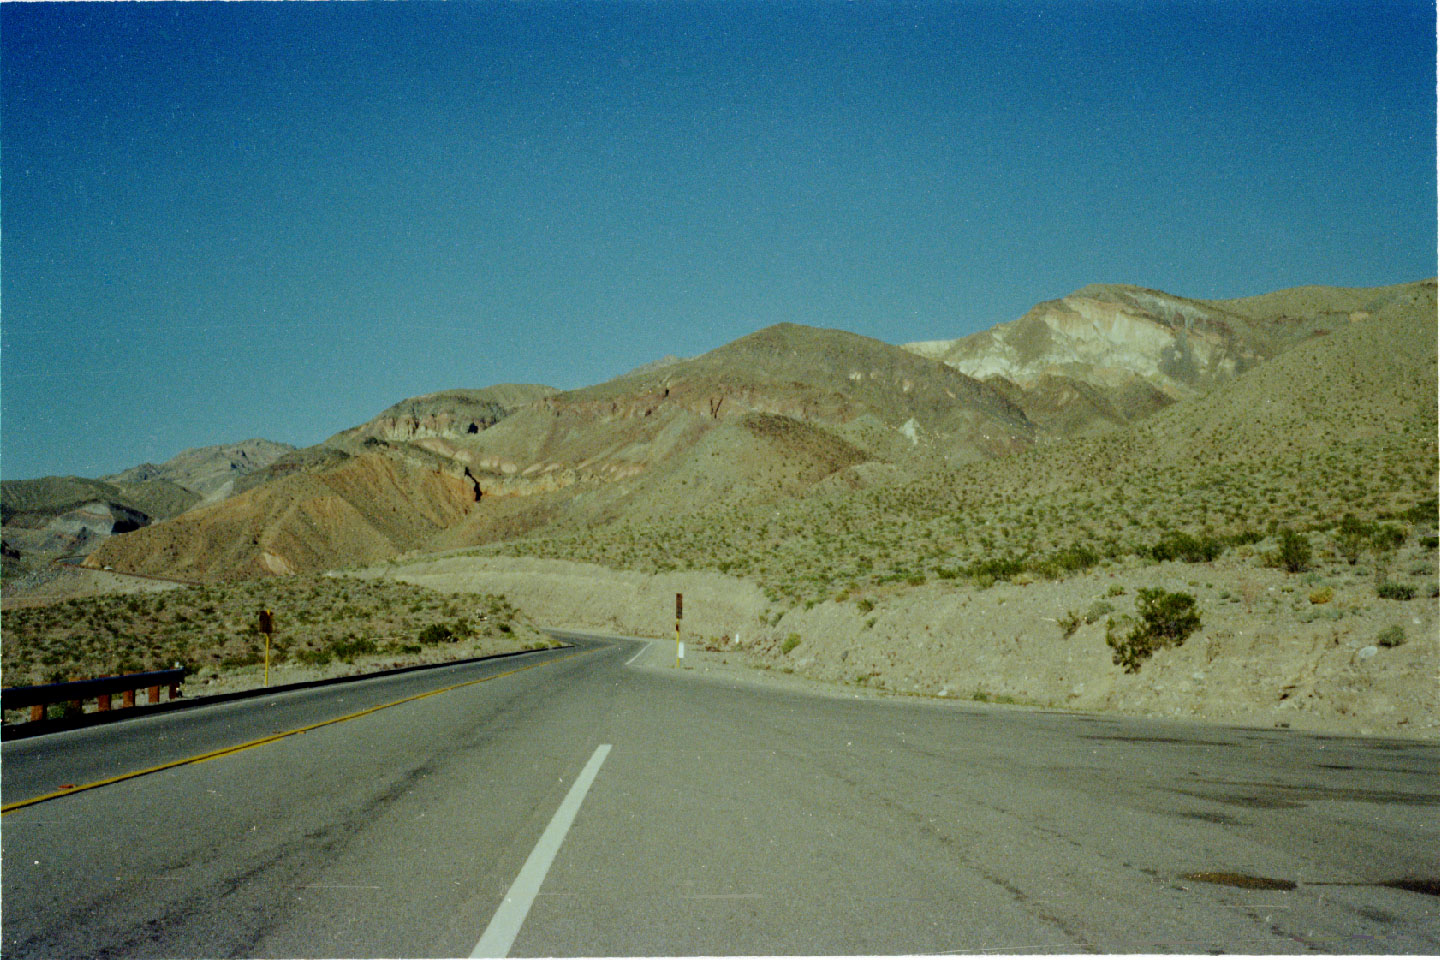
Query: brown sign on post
x,y
679,606
267,622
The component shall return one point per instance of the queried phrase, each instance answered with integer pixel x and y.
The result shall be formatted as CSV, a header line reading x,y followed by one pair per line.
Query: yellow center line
x,y
227,751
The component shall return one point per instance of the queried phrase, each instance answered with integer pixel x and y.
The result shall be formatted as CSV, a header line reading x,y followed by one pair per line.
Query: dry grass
x,y
211,629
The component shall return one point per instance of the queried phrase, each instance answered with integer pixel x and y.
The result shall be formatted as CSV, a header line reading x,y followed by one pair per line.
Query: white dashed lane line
x,y
505,926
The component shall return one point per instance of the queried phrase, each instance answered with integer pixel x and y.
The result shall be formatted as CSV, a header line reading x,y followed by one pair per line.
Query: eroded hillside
x,y
765,419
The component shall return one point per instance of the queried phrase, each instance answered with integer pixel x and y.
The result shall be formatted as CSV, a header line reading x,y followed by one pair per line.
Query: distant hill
x,y
1109,354
1343,422
452,414
207,471
751,453
63,516
764,418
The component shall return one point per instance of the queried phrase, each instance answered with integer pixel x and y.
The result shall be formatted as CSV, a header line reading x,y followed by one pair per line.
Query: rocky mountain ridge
x,y
783,413
1109,354
65,516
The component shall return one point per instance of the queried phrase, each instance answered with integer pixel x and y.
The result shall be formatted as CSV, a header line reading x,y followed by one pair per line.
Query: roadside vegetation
x,y
319,621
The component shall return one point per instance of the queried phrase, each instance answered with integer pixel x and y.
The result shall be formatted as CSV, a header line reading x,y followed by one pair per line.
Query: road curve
x,y
719,818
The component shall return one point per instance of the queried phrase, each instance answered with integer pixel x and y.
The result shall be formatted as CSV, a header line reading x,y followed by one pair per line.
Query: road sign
x,y
679,606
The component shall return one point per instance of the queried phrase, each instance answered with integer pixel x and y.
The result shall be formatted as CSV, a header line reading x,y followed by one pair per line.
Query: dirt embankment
x,y
1265,655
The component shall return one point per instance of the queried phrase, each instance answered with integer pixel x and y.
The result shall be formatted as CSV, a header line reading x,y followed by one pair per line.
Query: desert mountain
x,y
61,516
1338,424
1109,354
791,417
766,417
450,414
208,471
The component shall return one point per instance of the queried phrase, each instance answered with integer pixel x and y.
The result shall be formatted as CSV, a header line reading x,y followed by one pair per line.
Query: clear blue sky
x,y
234,220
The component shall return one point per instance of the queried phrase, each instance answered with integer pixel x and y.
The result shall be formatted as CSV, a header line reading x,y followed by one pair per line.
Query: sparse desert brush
x,y
1293,552
790,643
1390,590
1322,595
1186,547
1165,620
1392,636
317,620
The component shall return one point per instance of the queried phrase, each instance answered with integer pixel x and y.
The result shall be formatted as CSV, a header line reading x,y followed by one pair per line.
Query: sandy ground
x,y
1265,655
212,681
53,582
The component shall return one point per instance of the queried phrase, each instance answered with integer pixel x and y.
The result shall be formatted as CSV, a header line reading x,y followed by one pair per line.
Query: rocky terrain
x,y
68,516
963,518
210,472
1317,650
1109,354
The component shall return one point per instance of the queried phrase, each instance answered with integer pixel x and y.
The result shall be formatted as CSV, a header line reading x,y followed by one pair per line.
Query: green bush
x,y
1000,568
1391,636
790,643
436,633
1352,538
1387,537
351,647
865,604
1294,552
1166,619
1184,546
1395,591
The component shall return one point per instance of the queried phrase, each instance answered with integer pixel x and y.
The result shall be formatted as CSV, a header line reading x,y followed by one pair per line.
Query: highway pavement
x,y
574,802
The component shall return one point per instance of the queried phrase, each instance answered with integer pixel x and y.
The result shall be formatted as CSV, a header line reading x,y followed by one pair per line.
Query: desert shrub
x,y
1245,537
1070,623
1391,636
790,643
1293,553
1097,610
1387,537
436,633
1165,620
1426,511
1395,591
998,568
315,658
1116,590
1323,595
1184,546
865,604
1075,558
1352,538
351,647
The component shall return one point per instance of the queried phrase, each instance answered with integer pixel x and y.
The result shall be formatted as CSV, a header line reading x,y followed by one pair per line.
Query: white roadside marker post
x,y
679,612
267,627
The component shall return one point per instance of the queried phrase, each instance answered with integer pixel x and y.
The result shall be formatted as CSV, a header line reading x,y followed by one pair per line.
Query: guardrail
x,y
101,689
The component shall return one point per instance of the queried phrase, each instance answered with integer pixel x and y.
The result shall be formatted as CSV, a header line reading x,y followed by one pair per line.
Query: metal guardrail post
x,y
39,698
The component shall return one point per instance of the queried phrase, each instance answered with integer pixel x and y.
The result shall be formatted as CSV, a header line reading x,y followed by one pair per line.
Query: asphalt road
x,y
586,806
